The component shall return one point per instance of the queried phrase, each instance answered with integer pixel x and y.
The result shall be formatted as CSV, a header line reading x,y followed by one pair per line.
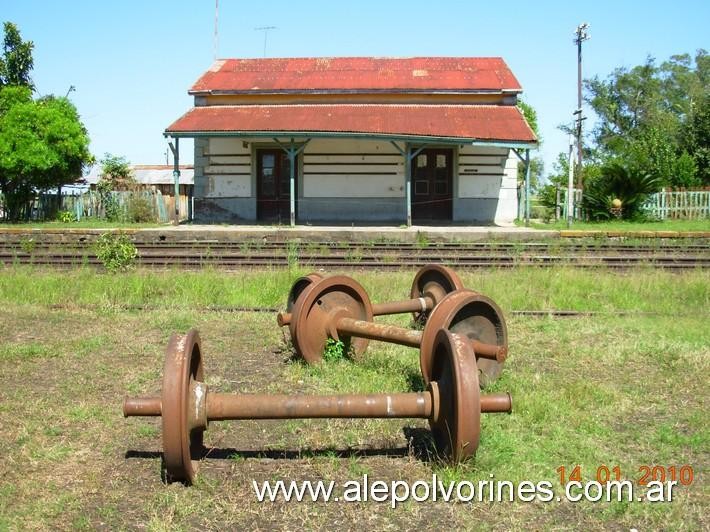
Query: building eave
x,y
421,139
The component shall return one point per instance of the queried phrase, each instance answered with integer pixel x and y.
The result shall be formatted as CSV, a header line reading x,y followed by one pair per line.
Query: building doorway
x,y
432,185
273,186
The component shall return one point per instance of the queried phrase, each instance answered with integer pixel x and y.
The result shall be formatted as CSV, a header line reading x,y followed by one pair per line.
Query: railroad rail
x,y
197,254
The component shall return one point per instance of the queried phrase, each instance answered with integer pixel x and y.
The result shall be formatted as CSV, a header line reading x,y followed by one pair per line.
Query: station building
x,y
426,140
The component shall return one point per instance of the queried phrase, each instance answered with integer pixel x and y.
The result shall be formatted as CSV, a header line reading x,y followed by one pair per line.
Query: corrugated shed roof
x,y
470,122
353,74
148,174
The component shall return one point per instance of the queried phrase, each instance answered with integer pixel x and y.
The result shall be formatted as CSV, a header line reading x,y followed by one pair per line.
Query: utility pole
x,y
570,183
265,29
580,35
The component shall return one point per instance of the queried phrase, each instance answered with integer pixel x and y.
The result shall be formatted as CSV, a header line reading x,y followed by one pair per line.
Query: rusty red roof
x,y
358,74
470,122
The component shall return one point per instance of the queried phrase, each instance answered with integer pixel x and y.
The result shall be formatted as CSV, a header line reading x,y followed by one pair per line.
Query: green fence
x,y
682,205
667,204
118,206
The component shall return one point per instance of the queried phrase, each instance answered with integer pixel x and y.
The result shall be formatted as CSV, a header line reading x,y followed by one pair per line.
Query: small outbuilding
x,y
426,140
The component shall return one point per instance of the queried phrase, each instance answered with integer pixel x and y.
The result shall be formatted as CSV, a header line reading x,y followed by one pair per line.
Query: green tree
x,y
643,114
43,144
16,62
116,174
696,138
536,163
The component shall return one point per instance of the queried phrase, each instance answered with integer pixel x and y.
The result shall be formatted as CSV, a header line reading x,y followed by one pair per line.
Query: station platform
x,y
367,234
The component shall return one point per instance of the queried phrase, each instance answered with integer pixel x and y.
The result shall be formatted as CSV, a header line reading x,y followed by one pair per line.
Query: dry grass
x,y
629,391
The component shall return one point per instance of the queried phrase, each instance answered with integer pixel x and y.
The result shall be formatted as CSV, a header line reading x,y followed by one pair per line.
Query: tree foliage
x,y
43,143
116,174
647,116
16,62
537,165
696,137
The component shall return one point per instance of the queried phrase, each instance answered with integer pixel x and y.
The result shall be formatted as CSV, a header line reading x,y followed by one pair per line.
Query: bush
x,y
112,209
66,217
618,182
116,252
140,209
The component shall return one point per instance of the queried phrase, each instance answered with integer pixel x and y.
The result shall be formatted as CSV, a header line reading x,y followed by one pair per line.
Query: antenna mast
x,y
265,29
216,28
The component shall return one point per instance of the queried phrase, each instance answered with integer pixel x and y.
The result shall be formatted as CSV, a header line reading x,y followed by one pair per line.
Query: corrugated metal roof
x,y
147,174
353,74
470,122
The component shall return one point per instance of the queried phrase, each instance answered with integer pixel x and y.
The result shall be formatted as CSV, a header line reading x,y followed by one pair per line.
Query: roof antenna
x,y
265,29
216,28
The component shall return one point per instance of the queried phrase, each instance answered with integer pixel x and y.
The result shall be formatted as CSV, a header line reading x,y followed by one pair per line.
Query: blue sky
x,y
133,61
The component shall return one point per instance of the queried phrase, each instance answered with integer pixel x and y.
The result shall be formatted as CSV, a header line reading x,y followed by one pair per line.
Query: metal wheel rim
x,y
472,315
311,323
458,427
182,447
443,276
299,286
295,309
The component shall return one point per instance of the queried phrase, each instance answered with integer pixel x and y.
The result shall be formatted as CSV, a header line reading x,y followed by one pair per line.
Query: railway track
x,y
252,246
535,313
371,257
197,254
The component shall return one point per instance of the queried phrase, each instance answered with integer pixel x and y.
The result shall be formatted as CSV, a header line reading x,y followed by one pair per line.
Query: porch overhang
x,y
412,139
479,125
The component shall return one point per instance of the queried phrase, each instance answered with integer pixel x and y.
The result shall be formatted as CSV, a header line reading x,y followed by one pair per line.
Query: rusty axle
x,y
409,337
451,403
420,304
338,308
222,407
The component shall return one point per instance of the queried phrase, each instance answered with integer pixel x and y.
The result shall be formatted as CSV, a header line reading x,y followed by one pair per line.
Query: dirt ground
x,y
68,458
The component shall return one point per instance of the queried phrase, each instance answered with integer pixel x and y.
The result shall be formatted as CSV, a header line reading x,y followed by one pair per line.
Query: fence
x,y
122,206
561,201
684,204
667,204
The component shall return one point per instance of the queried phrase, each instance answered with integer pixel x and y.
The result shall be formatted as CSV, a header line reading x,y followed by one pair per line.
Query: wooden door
x,y
432,185
273,186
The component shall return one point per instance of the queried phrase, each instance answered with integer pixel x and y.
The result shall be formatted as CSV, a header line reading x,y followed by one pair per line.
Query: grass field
x,y
627,391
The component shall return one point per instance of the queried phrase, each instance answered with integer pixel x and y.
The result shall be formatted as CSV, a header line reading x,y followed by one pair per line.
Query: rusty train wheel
x,y
472,315
435,281
299,285
182,439
299,289
457,429
316,311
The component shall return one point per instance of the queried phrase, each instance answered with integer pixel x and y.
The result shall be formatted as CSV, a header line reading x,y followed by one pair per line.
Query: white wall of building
x,y
355,180
228,169
334,168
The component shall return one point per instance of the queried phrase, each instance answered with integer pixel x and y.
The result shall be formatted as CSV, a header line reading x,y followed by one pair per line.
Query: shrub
x,y
336,350
618,182
66,217
140,209
116,252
